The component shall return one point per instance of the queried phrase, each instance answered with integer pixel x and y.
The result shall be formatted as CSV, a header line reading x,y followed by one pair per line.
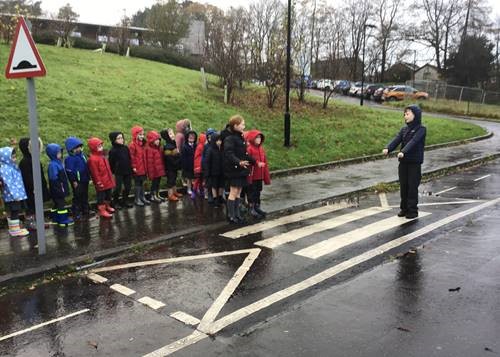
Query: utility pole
x,y
288,61
363,64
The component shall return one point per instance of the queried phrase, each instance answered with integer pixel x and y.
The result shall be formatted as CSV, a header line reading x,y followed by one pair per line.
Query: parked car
x,y
371,88
402,92
355,89
377,95
342,86
325,84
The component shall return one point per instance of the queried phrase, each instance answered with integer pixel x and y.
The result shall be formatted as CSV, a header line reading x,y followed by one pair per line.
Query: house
x,y
427,72
399,72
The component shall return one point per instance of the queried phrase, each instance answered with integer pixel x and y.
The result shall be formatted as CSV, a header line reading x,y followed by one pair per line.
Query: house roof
x,y
427,65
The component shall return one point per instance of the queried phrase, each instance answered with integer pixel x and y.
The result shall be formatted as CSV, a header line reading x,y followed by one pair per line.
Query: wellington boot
x,y
101,210
110,209
15,229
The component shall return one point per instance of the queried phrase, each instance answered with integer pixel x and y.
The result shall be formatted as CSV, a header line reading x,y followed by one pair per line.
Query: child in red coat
x,y
155,168
198,175
101,174
259,173
138,159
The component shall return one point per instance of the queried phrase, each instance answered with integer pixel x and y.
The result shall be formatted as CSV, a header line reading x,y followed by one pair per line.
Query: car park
x,y
325,84
370,89
342,86
355,89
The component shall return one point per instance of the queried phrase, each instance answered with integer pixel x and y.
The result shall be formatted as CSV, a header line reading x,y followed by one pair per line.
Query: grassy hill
x,y
89,94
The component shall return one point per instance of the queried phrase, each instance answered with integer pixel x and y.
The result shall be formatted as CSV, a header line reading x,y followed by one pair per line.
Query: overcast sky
x,y
109,12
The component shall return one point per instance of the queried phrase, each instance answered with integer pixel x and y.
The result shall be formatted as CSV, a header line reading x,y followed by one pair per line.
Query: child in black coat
x,y
214,169
121,167
410,156
187,159
172,160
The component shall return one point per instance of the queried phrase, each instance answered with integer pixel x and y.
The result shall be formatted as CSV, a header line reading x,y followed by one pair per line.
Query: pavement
x,y
97,239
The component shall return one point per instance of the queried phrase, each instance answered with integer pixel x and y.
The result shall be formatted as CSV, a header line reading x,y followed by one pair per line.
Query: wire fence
x,y
464,100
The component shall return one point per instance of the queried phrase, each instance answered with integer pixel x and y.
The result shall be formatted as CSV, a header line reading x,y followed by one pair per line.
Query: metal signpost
x,y
25,62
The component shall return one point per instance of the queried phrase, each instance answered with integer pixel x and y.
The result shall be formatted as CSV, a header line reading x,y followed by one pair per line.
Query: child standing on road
x,y
411,156
26,167
155,167
121,166
102,177
137,156
13,192
214,169
187,160
198,168
172,160
78,175
58,185
259,173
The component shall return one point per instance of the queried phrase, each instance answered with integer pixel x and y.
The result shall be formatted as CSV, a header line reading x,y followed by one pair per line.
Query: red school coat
x,y
259,155
155,166
198,153
137,154
99,167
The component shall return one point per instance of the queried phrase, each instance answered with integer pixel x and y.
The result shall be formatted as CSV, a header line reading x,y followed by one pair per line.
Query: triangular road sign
x,y
24,59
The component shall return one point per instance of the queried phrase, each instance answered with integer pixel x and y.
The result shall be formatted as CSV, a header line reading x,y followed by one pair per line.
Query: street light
x,y
287,91
363,64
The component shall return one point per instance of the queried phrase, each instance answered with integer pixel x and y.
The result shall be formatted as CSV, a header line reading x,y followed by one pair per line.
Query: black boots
x,y
233,212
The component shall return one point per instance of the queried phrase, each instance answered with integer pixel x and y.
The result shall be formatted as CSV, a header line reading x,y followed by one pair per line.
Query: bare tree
x,y
225,45
441,20
301,51
66,24
387,16
357,14
122,34
12,10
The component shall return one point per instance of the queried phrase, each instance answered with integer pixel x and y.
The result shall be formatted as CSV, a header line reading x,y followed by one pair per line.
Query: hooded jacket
x,y
10,175
258,153
235,150
182,127
58,181
119,156
171,156
26,166
154,157
412,139
76,164
198,154
100,170
187,153
212,165
137,156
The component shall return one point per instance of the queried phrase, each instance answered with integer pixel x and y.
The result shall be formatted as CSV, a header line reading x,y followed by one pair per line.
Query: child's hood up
x,y
182,125
72,143
252,134
52,150
93,144
6,156
417,112
152,136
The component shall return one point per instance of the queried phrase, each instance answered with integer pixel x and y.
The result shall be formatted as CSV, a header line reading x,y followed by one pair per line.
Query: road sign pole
x,y
37,174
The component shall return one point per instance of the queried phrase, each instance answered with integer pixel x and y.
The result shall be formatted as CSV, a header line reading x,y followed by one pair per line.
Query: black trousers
x,y
14,208
80,202
126,182
139,181
59,203
102,196
253,192
409,179
155,184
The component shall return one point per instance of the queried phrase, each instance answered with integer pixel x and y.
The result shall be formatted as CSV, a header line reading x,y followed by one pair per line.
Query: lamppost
x,y
287,91
363,64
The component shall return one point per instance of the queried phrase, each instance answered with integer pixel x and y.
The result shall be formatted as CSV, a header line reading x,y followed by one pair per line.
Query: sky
x,y
109,12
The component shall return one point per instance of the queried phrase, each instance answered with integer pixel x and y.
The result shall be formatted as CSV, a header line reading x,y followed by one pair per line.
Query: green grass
x,y
89,94
448,106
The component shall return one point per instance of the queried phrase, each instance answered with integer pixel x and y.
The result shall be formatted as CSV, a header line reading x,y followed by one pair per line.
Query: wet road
x,y
348,279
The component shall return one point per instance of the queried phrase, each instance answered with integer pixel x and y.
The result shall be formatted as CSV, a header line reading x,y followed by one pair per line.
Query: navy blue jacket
x,y
187,154
119,157
76,164
58,181
412,139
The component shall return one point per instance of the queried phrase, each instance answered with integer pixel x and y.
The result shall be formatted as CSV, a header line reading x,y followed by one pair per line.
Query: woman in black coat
x,y
236,166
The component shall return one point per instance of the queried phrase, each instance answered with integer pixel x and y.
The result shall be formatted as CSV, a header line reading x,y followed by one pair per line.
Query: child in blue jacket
x,y
58,185
13,192
78,176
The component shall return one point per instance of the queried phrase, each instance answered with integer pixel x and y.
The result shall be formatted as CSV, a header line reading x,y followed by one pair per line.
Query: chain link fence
x,y
459,100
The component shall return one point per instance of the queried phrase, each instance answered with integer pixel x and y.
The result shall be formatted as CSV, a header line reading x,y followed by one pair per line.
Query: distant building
x,y
194,43
399,72
427,72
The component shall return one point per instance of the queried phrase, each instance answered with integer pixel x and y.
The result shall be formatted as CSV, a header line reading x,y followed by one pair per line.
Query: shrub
x,y
45,37
85,43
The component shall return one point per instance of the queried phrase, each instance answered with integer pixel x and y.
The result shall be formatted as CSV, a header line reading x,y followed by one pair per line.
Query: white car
x,y
355,89
325,84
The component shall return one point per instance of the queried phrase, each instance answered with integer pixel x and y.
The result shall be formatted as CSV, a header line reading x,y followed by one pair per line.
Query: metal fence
x,y
464,100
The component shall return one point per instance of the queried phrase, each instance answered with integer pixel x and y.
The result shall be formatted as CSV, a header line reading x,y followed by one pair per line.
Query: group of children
x,y
146,157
